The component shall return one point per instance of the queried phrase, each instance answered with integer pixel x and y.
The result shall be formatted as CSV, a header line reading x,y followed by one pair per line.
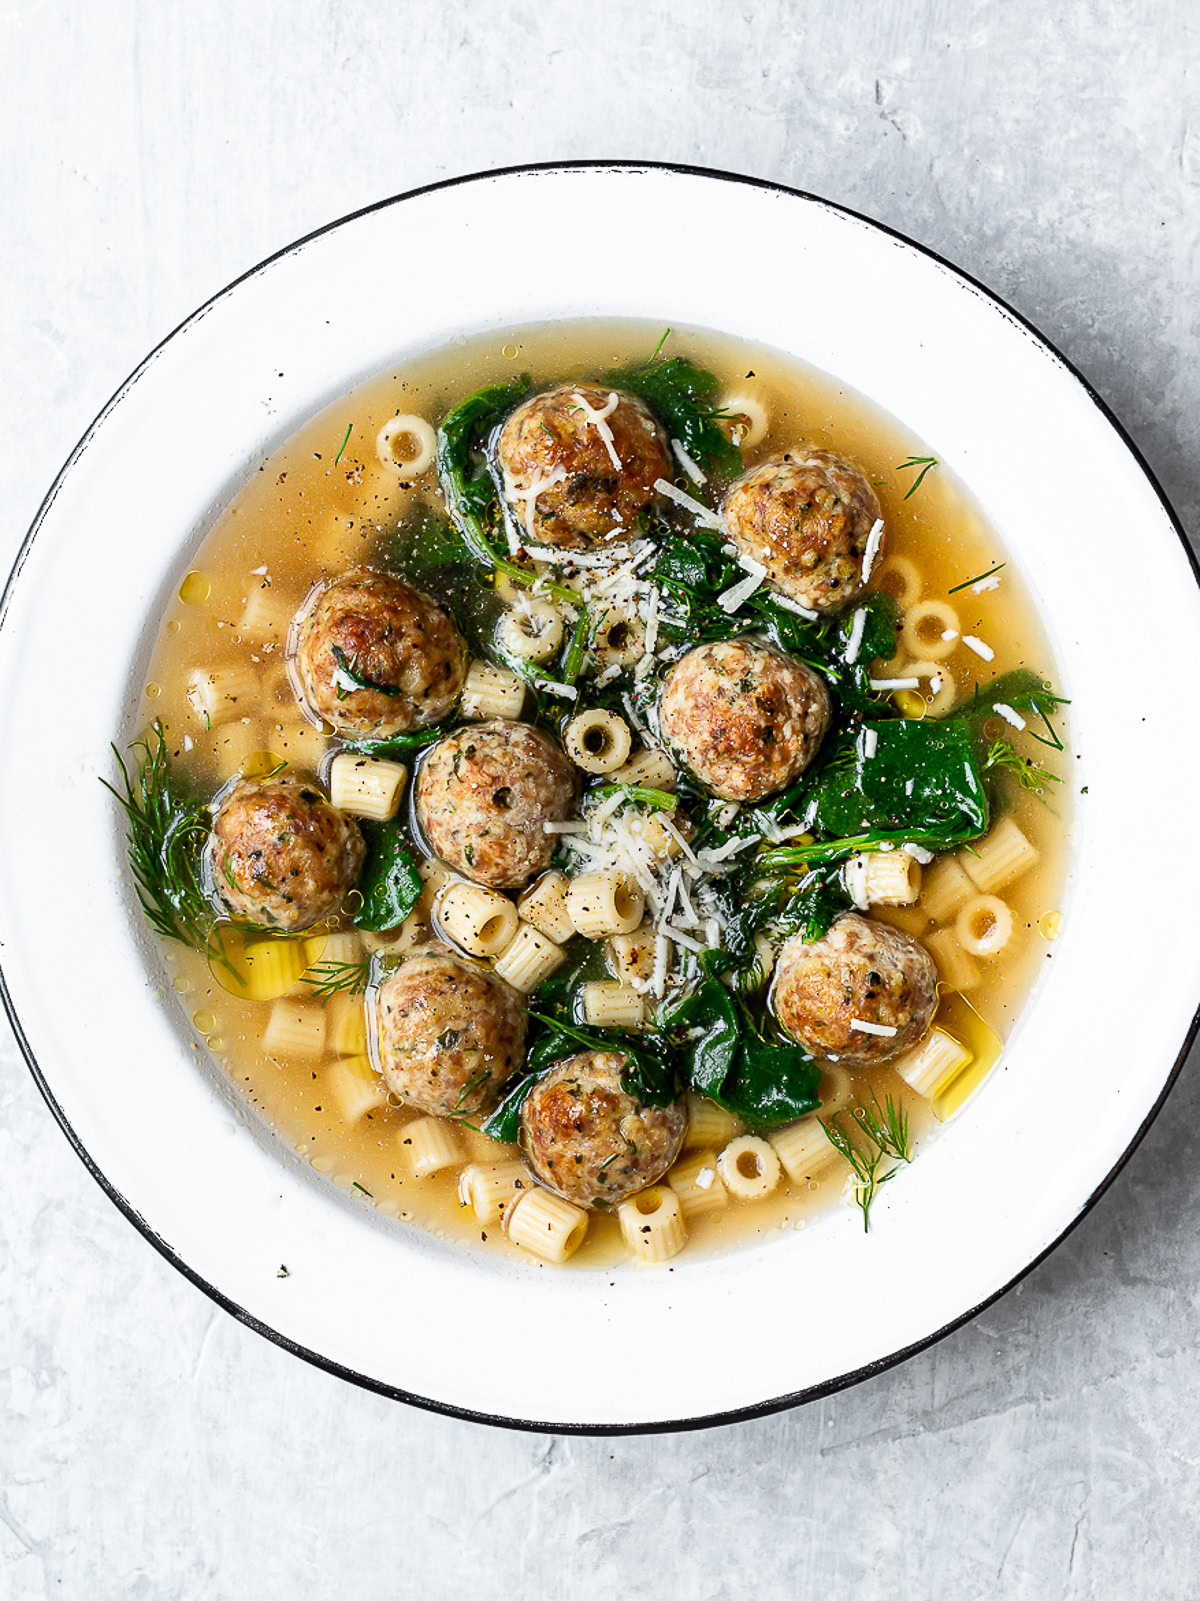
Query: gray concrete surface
x,y
149,1445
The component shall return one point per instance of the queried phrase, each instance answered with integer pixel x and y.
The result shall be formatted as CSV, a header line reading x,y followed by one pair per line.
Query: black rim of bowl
x,y
709,1420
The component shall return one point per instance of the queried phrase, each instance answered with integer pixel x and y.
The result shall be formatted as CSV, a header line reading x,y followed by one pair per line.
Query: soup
x,y
602,799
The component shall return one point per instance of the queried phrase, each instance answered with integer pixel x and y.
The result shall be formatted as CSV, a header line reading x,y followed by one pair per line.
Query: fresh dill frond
x,y
658,347
576,646
886,1129
1004,757
363,1188
476,1079
344,443
925,463
978,578
165,839
338,978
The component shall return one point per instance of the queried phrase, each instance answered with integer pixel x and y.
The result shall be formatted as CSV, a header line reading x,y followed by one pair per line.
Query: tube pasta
x,y
957,970
532,630
343,946
611,1005
600,904
544,905
937,1057
900,577
366,786
435,875
652,768
749,1168
944,888
652,1223
480,921
546,1225
943,687
803,1148
353,1088
490,1188
984,926
491,692
631,956
925,624
530,959
882,878
221,693
346,1024
1003,855
294,1028
619,639
406,446
747,417
598,741
270,968
707,1123
268,613
432,1145
698,1185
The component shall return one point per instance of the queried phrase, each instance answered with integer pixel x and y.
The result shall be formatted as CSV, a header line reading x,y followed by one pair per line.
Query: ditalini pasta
x,y
566,847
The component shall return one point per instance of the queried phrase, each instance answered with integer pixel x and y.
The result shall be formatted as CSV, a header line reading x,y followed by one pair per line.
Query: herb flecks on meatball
x,y
449,1033
588,1139
860,973
280,855
806,516
483,795
746,719
375,657
578,464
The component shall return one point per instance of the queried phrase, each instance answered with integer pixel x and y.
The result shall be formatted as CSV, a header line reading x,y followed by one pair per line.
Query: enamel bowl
x,y
400,1311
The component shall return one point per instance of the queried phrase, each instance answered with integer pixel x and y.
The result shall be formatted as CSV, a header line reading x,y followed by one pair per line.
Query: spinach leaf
x,y
505,1121
1022,690
922,778
684,397
765,1081
390,882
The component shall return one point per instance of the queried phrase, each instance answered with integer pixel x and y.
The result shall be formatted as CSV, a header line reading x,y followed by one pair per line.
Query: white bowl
x,y
395,1309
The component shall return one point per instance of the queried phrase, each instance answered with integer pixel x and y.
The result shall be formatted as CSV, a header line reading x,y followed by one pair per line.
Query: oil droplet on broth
x,y
204,1021
153,690
511,351
1050,925
195,589
182,985
260,763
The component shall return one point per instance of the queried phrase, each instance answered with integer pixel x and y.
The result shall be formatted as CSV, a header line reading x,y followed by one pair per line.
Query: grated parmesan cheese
x,y
706,518
978,646
894,683
693,469
854,643
884,1030
1009,714
874,540
598,420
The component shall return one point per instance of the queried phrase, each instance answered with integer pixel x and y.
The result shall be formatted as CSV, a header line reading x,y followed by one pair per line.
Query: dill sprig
x,y
165,839
925,463
344,443
338,978
888,1144
1003,756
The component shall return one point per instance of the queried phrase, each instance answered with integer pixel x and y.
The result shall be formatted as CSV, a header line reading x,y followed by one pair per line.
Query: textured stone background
x,y
149,1445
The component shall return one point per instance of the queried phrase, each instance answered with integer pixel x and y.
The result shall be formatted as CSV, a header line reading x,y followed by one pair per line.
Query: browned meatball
x,y
368,629
746,720
805,516
588,1139
860,972
279,854
449,1033
483,794
579,464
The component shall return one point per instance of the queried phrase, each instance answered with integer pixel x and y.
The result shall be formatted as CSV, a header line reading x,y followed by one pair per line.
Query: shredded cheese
x,y
597,419
706,518
978,646
1009,714
693,469
884,1030
874,540
894,683
854,643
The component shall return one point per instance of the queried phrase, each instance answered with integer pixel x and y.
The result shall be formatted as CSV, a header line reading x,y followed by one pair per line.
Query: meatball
x,y
376,657
484,792
861,971
747,720
449,1033
280,855
579,464
806,516
588,1139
